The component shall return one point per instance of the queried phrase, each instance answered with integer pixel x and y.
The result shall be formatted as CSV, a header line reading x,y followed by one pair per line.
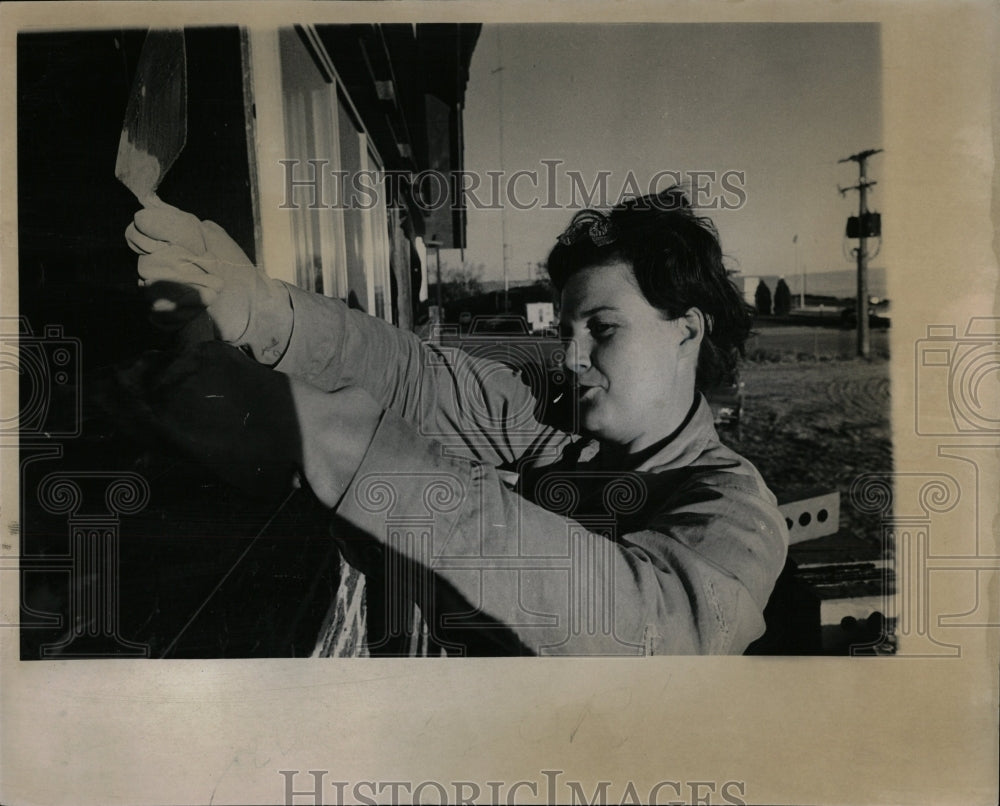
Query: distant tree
x,y
541,278
782,298
762,298
461,282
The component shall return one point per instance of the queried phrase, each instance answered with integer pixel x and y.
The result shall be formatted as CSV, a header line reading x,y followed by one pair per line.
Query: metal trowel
x,y
155,127
155,131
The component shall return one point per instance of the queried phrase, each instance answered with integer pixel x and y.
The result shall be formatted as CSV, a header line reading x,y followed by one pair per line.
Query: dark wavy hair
x,y
677,261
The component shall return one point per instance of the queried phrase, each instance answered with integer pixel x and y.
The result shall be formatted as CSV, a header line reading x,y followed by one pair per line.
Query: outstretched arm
x,y
478,408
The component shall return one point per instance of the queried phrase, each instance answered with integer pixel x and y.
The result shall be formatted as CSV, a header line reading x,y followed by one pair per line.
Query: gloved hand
x,y
162,225
188,265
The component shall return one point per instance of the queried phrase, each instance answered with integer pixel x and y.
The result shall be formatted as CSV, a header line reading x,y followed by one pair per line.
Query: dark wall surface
x,y
197,570
73,88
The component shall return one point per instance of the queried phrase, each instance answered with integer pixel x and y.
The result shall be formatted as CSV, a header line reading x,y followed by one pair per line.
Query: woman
x,y
641,534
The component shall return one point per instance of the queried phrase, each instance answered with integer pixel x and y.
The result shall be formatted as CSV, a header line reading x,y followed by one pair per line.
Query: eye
x,y
601,330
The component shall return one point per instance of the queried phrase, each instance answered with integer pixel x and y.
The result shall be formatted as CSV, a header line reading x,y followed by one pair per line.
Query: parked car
x,y
879,314
726,401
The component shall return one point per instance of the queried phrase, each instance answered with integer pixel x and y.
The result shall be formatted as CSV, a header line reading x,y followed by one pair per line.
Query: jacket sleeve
x,y
694,579
475,407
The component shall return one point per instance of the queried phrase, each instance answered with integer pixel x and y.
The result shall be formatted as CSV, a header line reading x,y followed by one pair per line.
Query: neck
x,y
615,454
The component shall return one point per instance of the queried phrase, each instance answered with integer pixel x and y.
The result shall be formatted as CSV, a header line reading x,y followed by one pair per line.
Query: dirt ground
x,y
817,423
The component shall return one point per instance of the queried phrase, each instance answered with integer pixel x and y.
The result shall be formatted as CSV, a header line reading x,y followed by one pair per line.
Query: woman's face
x,y
634,368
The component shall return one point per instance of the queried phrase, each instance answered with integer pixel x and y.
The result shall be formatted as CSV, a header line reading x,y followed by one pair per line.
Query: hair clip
x,y
669,200
597,226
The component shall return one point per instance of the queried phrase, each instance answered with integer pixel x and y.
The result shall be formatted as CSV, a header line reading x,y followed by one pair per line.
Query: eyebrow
x,y
589,312
598,309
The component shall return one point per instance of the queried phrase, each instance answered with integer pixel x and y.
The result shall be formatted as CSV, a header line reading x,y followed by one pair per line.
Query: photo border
x,y
918,727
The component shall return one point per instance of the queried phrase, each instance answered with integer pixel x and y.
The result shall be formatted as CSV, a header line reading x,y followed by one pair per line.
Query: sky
x,y
774,106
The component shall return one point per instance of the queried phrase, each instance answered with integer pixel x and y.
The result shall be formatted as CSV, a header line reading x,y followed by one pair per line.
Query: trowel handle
x,y
199,329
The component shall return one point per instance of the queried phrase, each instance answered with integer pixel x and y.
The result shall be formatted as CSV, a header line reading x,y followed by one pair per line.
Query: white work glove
x,y
188,266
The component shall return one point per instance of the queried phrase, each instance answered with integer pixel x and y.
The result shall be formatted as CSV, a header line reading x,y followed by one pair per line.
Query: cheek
x,y
644,362
647,373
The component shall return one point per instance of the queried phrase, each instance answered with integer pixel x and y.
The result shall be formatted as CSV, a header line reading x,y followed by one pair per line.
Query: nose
x,y
577,358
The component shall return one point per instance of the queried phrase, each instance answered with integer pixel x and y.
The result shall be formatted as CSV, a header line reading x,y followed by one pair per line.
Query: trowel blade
x,y
155,127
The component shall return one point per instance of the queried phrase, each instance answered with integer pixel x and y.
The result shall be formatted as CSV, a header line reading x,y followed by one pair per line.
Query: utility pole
x,y
863,227
795,268
436,245
503,202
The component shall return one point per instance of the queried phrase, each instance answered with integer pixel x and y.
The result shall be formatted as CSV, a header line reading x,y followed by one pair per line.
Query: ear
x,y
693,331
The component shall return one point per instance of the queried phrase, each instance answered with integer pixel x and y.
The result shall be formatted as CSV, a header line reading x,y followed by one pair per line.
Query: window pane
x,y
354,223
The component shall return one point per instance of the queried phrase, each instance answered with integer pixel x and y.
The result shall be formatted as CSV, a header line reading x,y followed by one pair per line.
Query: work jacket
x,y
512,536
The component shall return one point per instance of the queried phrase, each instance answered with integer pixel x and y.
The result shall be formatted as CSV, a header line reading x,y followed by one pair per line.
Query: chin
x,y
595,428
590,423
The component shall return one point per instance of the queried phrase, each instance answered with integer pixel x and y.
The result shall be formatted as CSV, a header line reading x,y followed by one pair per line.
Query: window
x,y
321,201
